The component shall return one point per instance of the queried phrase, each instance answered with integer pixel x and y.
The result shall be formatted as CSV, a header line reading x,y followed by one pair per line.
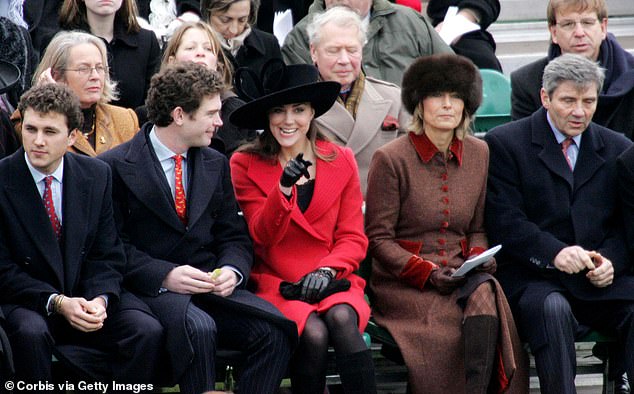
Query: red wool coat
x,y
289,244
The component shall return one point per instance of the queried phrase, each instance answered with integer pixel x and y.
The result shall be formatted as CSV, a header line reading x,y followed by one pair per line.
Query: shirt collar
x,y
559,136
426,149
39,176
162,152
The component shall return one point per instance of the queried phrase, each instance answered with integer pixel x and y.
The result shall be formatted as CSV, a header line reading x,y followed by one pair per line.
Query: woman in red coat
x,y
302,200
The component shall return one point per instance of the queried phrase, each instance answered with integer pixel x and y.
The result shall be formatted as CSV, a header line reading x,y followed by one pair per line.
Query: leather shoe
x,y
621,384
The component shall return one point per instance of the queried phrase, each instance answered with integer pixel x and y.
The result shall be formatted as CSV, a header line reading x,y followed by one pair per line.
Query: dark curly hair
x,y
180,85
53,97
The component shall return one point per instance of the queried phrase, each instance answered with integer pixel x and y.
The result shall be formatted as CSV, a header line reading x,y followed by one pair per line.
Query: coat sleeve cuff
x,y
417,271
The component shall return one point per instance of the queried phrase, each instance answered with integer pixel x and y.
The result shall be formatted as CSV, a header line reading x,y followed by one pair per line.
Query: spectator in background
x,y
397,35
424,218
553,202
133,52
267,10
79,60
9,77
197,42
244,45
368,112
16,49
42,17
479,45
580,27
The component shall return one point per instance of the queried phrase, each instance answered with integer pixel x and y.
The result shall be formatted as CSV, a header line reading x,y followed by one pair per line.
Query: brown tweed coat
x,y
436,206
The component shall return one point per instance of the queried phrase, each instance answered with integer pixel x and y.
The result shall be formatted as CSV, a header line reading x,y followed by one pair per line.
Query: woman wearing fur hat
x,y
302,200
424,218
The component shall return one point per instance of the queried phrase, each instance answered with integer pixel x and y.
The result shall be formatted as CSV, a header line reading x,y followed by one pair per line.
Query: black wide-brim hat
x,y
278,85
9,76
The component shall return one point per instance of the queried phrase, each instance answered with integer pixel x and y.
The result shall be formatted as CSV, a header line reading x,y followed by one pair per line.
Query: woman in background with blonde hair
x,y
79,60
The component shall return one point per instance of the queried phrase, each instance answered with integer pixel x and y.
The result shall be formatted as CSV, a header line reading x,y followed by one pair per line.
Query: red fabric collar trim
x,y
426,149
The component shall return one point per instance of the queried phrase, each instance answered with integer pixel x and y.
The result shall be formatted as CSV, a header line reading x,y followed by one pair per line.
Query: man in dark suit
x,y
61,260
552,202
189,253
581,28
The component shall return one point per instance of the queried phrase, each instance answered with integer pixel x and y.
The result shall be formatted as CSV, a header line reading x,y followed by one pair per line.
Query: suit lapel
x,y
203,178
22,193
138,171
550,154
371,112
76,206
589,160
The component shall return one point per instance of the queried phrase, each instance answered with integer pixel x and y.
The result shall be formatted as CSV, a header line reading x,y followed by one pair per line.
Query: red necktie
x,y
179,195
565,144
47,198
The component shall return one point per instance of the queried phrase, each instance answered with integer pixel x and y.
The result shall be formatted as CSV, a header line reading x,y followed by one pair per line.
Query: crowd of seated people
x,y
166,194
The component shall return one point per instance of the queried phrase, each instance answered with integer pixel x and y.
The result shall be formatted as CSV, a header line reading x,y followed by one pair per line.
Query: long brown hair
x,y
73,15
266,146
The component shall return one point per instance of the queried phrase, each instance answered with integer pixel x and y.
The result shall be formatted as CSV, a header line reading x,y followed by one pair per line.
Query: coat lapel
x,y
76,207
370,115
138,171
206,172
550,154
25,199
589,160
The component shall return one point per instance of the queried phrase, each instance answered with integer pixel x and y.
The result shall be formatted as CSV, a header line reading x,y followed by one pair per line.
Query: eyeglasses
x,y
86,71
570,25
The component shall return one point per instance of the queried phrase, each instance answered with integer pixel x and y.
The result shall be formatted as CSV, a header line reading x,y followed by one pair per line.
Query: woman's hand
x,y
46,77
295,169
442,280
489,267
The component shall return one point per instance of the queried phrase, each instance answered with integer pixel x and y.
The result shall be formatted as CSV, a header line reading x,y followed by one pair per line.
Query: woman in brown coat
x,y
424,218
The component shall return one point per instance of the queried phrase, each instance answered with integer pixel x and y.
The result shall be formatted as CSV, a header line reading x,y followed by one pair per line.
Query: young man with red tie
x,y
61,260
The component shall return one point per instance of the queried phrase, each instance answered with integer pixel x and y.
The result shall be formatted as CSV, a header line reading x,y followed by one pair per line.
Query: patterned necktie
x,y
565,144
179,195
47,198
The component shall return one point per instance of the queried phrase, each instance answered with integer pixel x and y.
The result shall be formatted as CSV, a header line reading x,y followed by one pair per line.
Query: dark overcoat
x,y
156,241
536,207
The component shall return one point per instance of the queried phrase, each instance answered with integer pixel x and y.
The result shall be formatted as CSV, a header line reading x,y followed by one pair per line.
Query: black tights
x,y
339,327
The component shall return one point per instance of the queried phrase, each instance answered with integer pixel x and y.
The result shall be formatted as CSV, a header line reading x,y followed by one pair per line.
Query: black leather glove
x,y
314,283
443,282
294,169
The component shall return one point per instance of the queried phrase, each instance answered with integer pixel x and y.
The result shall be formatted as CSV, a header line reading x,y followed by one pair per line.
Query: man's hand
x,y
224,281
186,279
603,274
573,259
83,315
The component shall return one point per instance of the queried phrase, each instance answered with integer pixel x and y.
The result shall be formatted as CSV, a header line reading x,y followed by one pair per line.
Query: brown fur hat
x,y
442,73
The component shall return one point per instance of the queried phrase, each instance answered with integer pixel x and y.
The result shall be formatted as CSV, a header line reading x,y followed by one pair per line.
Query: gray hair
x,y
574,68
57,54
340,17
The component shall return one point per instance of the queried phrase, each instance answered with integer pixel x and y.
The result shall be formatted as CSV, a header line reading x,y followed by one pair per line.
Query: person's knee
x,y
30,328
202,325
341,317
315,333
556,307
147,328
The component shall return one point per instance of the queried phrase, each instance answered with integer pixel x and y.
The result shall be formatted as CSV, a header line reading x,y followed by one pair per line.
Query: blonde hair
x,y
417,124
57,56
597,6
224,65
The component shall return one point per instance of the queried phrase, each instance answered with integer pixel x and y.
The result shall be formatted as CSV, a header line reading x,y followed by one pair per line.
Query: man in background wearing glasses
x,y
580,27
